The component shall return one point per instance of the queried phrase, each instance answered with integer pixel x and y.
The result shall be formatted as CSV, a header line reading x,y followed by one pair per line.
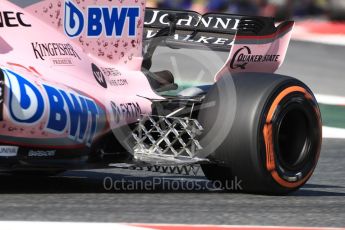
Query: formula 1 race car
x,y
79,90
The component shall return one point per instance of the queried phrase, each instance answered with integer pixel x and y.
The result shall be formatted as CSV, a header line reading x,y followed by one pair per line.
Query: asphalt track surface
x,y
81,195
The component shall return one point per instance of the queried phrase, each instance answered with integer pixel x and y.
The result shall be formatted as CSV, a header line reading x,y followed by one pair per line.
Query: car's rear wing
x,y
255,44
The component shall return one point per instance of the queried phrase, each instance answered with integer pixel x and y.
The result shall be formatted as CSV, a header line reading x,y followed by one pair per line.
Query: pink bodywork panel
x,y
258,53
42,66
21,54
123,51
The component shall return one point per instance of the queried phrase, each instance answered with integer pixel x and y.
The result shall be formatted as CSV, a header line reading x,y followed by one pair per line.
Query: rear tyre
x,y
274,143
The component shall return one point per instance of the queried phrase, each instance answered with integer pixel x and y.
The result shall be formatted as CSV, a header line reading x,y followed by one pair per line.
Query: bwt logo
x,y
100,21
66,111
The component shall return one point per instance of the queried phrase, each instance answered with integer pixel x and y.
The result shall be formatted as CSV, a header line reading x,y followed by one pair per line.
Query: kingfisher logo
x,y
107,21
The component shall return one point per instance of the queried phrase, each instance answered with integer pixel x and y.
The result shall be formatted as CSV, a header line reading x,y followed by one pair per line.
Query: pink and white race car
x,y
78,91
